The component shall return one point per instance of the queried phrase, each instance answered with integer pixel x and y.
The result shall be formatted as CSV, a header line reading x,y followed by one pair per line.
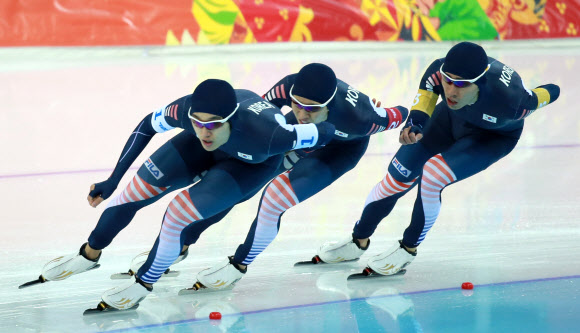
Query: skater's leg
x,y
403,172
309,176
195,230
191,235
467,157
163,172
222,187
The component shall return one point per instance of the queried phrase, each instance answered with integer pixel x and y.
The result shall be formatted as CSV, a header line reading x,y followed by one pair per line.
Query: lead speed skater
x,y
478,121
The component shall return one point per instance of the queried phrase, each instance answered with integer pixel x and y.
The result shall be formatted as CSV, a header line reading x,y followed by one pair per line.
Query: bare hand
x,y
377,104
94,202
407,138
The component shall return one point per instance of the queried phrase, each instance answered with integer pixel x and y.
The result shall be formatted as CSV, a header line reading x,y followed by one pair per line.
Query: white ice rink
x,y
65,115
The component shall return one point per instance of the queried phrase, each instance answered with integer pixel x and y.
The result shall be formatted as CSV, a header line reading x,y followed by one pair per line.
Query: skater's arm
x,y
137,141
537,98
380,118
288,137
279,94
390,118
163,120
423,105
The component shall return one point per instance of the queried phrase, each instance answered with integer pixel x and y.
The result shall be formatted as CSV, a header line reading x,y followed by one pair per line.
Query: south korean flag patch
x,y
245,156
489,118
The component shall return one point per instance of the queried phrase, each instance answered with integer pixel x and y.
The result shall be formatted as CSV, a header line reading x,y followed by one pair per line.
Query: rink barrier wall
x,y
210,22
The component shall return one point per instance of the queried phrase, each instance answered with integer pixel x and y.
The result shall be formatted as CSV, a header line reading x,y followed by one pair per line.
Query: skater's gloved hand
x,y
101,192
411,134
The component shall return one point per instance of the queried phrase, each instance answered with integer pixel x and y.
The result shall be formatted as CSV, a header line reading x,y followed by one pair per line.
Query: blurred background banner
x,y
191,22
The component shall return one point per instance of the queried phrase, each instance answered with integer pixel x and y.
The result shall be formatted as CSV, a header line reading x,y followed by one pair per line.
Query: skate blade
x,y
130,274
201,289
41,279
372,275
121,276
317,261
103,308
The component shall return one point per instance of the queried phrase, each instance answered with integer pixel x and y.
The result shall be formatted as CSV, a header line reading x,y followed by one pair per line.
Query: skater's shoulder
x,y
503,86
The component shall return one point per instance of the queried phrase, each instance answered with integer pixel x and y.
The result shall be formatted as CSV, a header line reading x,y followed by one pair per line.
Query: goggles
x,y
461,83
311,108
212,124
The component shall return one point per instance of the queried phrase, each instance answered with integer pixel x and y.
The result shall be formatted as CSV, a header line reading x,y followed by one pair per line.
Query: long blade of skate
x,y
121,276
103,308
317,261
128,275
370,275
199,288
41,279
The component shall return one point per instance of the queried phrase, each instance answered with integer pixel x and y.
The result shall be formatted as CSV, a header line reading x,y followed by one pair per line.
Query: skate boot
x,y
346,250
140,259
124,297
391,261
220,277
64,267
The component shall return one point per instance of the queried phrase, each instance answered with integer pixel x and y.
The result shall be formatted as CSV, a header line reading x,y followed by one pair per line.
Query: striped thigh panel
x,y
436,176
278,197
136,190
180,213
387,187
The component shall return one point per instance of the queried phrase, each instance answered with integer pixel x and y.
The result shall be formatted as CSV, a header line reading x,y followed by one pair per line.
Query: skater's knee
x,y
437,172
280,195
